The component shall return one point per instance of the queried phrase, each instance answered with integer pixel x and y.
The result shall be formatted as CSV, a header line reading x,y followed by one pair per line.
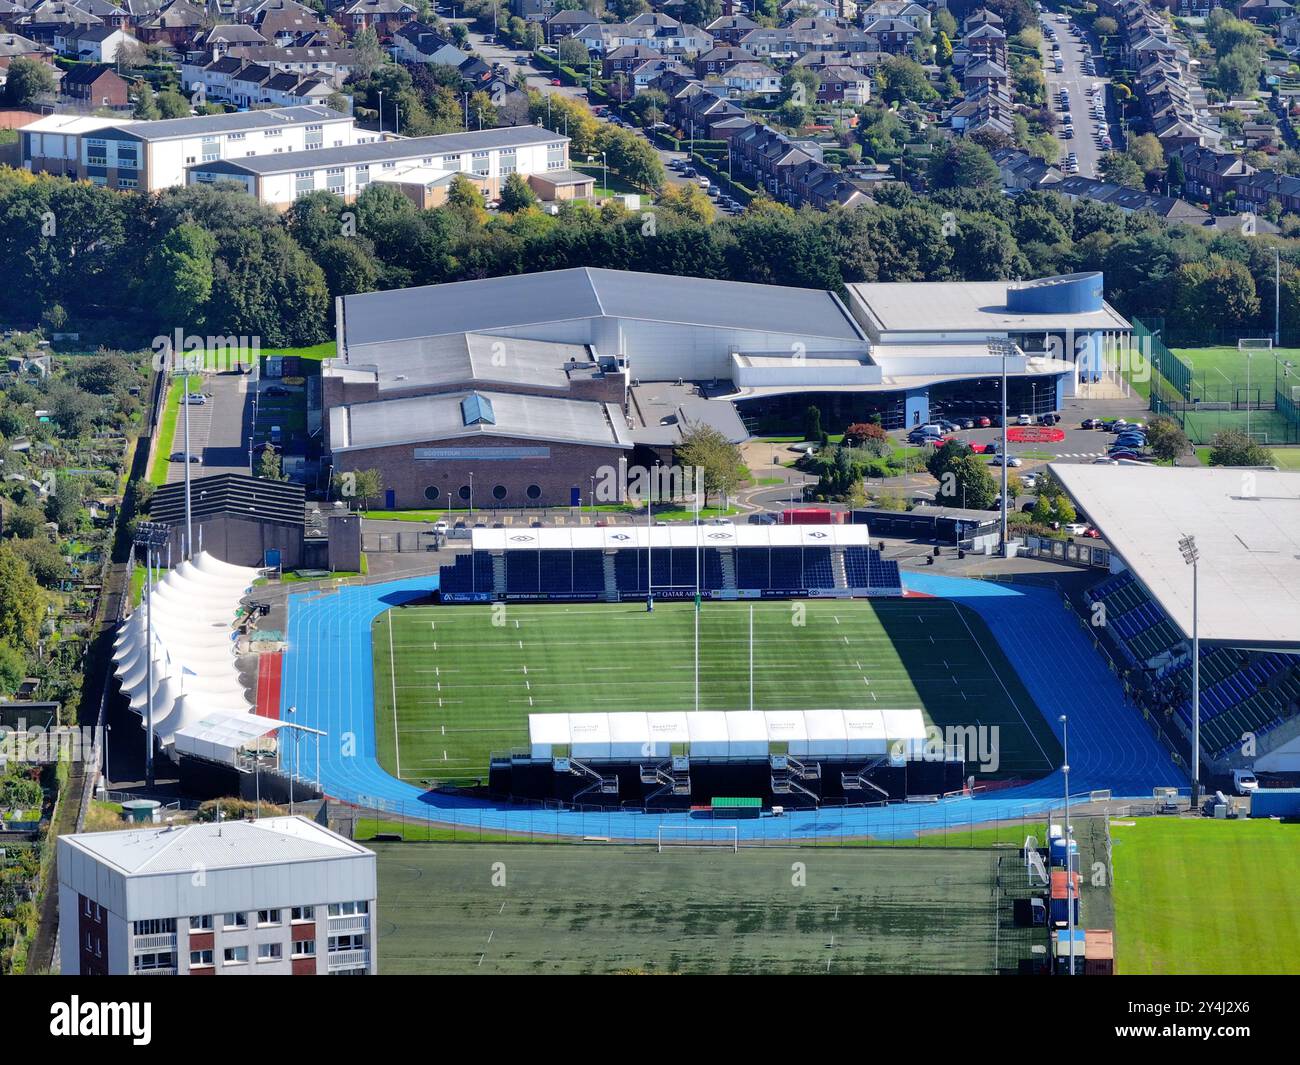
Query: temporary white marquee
x,y
196,683
729,734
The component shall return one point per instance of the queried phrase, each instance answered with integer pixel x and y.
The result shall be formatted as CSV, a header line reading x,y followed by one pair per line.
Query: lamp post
x,y
1001,346
1191,555
1069,861
604,164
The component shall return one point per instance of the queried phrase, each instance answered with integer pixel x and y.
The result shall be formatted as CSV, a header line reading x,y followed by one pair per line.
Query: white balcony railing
x,y
353,922
348,959
155,972
162,941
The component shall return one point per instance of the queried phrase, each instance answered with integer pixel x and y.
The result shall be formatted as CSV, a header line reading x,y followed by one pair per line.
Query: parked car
x,y
1092,533
1024,419
1105,462
968,423
763,518
1090,423
1244,781
275,390
195,399
983,422
1048,419
180,456
1011,461
1075,528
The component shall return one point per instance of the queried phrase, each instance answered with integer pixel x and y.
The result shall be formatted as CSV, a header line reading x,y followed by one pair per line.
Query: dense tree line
x,y
125,268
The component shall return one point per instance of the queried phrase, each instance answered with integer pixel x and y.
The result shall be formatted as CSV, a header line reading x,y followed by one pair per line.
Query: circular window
x,y
534,491
431,493
464,491
499,492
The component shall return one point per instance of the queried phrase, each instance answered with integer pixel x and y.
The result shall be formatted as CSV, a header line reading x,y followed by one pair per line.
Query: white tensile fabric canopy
x,y
195,679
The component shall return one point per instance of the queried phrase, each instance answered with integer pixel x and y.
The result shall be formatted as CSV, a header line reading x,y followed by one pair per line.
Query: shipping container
x,y
1099,952
1061,950
1058,849
1275,802
811,516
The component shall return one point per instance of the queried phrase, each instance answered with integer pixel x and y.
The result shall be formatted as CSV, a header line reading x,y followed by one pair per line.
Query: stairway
x,y
672,776
838,571
789,773
856,780
499,574
611,578
727,558
605,785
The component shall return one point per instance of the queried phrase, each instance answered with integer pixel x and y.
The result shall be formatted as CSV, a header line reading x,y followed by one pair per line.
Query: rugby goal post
x,y
698,837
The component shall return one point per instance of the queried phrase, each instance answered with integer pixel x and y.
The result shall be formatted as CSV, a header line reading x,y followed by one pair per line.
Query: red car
x,y
556,81
1090,531
983,422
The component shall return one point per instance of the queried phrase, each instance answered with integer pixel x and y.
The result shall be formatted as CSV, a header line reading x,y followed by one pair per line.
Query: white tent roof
x,y
193,609
637,536
819,731
219,737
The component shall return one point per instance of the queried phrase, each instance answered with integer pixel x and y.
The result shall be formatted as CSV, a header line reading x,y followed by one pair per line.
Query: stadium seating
x,y
1241,691
582,573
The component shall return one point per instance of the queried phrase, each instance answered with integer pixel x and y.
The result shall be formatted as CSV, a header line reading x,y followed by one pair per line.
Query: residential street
x,y
1077,83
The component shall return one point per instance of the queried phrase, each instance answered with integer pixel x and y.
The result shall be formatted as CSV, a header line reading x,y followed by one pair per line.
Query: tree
x,y
1121,169
705,448
1232,447
964,165
369,55
1105,26
27,79
1166,439
269,466
573,53
22,603
1176,175
172,104
516,195
181,275
812,423
146,110
359,485
974,488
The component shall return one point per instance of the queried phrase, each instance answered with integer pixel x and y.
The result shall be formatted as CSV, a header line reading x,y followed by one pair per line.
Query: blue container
x,y
1058,853
1275,802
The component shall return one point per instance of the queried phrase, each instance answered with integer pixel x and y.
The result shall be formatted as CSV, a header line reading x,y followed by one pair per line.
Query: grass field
x,y
1199,896
1217,369
484,908
452,686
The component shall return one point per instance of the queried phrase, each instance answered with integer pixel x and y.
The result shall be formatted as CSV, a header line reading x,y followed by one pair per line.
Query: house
x,y
1265,12
717,60
93,85
747,79
729,29
1210,175
97,44
985,74
417,42
566,23
177,23
788,170
1130,200
626,59
891,35
907,10
215,41
232,80
1021,172
385,17
324,62
843,84
826,9
13,46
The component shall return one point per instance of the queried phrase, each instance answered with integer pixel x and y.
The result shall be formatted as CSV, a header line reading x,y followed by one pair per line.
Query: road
x,y
219,428
1073,50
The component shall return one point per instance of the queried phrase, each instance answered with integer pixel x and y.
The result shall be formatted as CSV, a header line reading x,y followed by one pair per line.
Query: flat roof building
x,y
275,896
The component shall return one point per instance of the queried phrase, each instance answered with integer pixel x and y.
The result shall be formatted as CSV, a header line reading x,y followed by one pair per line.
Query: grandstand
x,y
1246,525
632,562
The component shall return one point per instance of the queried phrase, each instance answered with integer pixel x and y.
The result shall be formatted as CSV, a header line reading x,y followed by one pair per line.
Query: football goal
x,y
1255,344
698,837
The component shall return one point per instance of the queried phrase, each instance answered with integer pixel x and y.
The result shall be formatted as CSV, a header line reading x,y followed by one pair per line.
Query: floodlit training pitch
x,y
1198,896
483,908
455,683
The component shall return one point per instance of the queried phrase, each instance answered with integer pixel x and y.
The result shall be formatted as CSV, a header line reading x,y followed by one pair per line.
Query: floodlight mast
x,y
1191,555
1069,838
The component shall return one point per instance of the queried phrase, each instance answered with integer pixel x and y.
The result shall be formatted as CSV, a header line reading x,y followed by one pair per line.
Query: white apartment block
x,y
277,896
424,166
149,156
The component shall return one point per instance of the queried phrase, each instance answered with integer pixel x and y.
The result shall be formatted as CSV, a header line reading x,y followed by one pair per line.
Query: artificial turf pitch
x,y
484,908
1198,896
455,683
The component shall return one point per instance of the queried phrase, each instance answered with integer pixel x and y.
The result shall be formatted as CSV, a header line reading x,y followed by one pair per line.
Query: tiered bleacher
x,y
1242,691
632,562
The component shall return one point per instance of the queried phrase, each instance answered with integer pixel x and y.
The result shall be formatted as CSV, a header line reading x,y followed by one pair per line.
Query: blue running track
x,y
328,680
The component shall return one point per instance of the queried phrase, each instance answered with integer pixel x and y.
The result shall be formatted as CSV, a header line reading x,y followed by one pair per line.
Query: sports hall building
x,y
519,391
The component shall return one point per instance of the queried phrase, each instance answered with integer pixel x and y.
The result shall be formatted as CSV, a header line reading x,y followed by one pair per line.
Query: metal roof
x,y
462,358
426,419
585,292
384,151
235,122
1247,528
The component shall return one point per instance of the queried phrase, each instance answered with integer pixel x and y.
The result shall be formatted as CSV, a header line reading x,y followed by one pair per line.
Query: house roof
x,y
235,122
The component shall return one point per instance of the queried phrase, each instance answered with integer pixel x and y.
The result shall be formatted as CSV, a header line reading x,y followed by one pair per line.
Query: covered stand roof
x,y
612,537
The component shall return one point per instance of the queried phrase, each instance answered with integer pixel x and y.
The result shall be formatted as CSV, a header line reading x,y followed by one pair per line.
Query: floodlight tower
x,y
1191,555
1069,838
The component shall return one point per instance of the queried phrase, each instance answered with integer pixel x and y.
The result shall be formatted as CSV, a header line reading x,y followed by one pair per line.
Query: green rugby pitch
x,y
455,683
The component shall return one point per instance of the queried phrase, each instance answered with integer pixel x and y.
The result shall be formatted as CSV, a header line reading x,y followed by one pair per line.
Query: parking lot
x,y
218,428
